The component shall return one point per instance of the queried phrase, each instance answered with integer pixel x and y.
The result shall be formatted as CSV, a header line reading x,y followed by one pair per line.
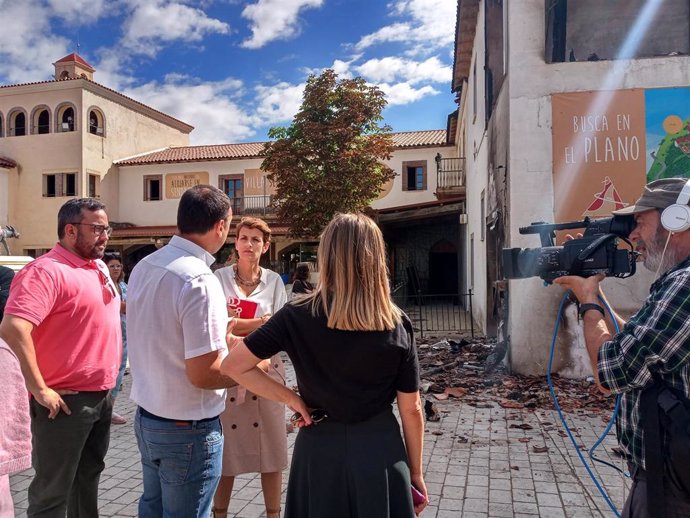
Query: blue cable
x,y
549,382
615,409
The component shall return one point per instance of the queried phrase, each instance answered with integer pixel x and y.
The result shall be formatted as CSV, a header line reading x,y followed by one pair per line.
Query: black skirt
x,y
350,471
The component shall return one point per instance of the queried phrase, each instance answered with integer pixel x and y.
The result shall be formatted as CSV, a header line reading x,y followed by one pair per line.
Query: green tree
x,y
329,159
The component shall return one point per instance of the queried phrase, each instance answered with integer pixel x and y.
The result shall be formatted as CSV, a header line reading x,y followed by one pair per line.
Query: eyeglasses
x,y
97,229
317,415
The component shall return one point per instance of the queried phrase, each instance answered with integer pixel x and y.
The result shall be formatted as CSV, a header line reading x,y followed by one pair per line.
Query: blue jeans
x,y
181,463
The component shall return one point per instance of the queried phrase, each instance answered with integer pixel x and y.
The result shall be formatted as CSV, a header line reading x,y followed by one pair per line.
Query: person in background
x,y
15,430
62,321
254,427
354,353
177,322
113,261
6,276
301,284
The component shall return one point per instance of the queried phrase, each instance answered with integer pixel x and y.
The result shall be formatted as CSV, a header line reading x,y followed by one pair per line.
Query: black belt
x,y
145,413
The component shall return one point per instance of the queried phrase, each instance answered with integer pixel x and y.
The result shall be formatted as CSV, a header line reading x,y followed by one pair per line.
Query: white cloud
x,y
278,103
404,93
389,69
78,11
27,46
431,25
211,107
274,20
155,22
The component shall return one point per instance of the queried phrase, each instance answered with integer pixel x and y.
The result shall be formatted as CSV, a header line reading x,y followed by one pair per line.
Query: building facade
x,y
72,137
561,109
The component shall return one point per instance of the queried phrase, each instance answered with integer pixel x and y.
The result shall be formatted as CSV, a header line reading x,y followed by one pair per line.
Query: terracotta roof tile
x,y
255,149
77,58
420,138
7,163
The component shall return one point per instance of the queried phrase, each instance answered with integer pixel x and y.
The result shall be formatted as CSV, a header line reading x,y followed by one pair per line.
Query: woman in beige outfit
x,y
254,427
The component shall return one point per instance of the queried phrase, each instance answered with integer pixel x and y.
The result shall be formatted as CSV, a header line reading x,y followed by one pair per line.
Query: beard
x,y
656,259
87,249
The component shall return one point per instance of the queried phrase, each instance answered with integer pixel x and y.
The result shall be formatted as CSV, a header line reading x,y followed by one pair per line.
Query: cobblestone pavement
x,y
479,462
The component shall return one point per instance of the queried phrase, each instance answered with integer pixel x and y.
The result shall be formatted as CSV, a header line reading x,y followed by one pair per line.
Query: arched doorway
x,y
443,268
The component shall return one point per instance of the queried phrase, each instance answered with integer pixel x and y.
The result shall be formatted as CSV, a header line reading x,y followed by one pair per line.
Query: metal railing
x,y
450,172
438,312
252,206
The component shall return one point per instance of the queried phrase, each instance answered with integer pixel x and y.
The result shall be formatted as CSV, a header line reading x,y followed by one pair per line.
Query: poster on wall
x,y
608,144
256,183
177,183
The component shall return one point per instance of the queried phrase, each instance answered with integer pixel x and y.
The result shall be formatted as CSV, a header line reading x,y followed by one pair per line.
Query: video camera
x,y
595,252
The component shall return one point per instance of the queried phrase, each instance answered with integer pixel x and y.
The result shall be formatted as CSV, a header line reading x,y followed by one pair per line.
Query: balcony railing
x,y
450,173
252,206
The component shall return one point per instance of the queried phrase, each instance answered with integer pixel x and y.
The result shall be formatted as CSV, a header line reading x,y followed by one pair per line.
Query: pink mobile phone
x,y
417,496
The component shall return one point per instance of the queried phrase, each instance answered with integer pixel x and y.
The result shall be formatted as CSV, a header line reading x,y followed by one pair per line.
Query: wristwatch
x,y
586,307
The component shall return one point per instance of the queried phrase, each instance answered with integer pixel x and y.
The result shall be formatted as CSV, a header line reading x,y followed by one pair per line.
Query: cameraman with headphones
x,y
651,354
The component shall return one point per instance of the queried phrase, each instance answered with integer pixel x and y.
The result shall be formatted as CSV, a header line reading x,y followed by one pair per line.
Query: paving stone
x,y
473,479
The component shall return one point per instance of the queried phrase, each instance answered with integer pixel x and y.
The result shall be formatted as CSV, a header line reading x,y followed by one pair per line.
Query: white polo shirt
x,y
175,311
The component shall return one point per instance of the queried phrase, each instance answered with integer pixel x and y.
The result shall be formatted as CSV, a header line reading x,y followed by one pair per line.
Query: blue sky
x,y
235,68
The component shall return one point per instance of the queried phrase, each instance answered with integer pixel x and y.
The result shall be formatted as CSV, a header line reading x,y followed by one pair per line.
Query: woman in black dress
x,y
354,353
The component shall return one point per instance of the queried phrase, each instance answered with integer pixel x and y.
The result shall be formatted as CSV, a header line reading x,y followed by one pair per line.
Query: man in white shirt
x,y
176,325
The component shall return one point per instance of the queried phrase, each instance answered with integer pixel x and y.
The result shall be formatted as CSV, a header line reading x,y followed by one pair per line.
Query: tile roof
x,y
7,163
420,138
255,149
465,29
77,58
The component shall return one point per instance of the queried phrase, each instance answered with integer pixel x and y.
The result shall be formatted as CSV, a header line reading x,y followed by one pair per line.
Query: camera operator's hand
x,y
585,289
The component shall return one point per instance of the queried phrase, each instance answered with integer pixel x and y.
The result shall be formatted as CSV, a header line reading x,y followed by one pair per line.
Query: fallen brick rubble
x,y
472,372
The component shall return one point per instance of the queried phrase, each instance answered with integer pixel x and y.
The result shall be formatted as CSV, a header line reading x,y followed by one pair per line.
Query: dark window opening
x,y
93,184
60,184
51,186
43,122
592,30
233,186
494,64
68,120
70,184
19,125
414,176
153,188
95,123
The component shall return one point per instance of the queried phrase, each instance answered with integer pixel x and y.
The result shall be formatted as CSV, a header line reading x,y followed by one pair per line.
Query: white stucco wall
x,y
532,81
127,133
133,208
397,197
476,164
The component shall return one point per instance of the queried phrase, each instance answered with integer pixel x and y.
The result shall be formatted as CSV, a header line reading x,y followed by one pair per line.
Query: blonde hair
x,y
353,289
256,223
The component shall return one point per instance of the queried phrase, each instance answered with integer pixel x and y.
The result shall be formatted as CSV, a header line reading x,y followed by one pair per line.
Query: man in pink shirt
x,y
62,320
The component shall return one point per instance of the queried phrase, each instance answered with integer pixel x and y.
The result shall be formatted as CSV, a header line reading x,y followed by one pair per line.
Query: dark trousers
x,y
68,456
636,504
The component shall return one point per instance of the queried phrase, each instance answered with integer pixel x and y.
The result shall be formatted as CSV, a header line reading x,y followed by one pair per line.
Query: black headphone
x,y
676,218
